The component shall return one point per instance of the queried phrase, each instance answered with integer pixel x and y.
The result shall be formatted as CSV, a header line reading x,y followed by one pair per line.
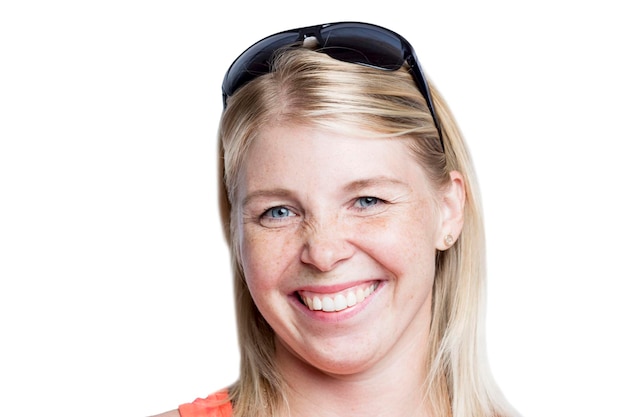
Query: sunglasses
x,y
353,42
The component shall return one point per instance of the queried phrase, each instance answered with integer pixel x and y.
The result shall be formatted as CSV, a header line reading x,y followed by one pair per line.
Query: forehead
x,y
299,156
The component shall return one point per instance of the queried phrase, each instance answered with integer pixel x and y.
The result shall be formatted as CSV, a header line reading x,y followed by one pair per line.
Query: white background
x,y
115,293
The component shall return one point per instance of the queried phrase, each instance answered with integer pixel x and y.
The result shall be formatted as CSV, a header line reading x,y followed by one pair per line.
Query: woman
x,y
350,206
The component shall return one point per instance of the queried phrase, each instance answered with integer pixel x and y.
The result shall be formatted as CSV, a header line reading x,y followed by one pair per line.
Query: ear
x,y
452,203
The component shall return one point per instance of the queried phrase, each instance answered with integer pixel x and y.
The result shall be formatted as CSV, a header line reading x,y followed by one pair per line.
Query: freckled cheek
x,y
401,249
402,244
264,258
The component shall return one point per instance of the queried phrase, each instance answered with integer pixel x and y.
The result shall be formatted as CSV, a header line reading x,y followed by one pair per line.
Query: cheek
x,y
407,230
407,250
264,258
407,242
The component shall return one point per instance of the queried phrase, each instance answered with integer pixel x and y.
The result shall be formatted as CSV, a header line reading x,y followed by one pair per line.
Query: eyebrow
x,y
352,186
272,193
374,182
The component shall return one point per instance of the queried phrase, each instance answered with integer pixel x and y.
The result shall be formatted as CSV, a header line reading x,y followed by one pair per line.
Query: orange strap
x,y
215,405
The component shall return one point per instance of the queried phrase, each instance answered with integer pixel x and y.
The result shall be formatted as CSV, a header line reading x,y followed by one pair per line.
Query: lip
x,y
335,316
329,289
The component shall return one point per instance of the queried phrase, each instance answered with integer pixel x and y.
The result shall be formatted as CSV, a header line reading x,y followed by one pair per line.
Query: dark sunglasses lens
x,y
254,61
365,45
349,42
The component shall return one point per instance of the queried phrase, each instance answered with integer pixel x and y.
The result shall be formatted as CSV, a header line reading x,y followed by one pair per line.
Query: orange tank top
x,y
215,405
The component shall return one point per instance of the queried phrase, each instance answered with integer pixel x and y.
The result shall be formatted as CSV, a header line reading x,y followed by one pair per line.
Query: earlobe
x,y
452,209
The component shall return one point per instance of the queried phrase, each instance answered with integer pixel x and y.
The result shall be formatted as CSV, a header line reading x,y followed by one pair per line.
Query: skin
x,y
322,213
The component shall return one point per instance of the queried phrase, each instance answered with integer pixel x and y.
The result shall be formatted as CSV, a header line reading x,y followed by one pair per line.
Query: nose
x,y
326,245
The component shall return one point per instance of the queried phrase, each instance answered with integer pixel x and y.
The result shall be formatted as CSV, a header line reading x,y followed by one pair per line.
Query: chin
x,y
340,363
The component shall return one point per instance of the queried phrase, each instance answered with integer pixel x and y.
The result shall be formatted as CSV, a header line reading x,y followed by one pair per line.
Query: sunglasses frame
x,y
255,60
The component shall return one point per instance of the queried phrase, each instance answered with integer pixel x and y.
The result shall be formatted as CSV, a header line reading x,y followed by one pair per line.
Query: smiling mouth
x,y
337,301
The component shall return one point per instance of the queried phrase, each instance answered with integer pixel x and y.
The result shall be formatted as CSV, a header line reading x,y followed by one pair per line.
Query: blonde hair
x,y
310,88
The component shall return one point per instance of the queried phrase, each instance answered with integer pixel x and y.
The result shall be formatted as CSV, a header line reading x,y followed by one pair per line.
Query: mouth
x,y
338,301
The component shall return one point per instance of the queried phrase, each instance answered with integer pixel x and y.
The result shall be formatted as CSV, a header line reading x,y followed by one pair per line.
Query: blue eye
x,y
364,202
278,212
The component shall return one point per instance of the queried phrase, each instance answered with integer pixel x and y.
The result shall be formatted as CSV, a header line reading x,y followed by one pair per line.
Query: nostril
x,y
325,255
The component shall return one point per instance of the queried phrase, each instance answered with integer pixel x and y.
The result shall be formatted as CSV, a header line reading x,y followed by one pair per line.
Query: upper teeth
x,y
337,302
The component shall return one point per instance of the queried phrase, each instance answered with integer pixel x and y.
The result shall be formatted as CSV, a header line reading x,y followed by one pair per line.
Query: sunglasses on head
x,y
353,42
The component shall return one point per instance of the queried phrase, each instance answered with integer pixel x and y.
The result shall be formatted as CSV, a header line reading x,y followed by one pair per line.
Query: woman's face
x,y
338,236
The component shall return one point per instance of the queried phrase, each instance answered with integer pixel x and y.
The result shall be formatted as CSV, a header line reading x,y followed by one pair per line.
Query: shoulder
x,y
215,405
173,413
